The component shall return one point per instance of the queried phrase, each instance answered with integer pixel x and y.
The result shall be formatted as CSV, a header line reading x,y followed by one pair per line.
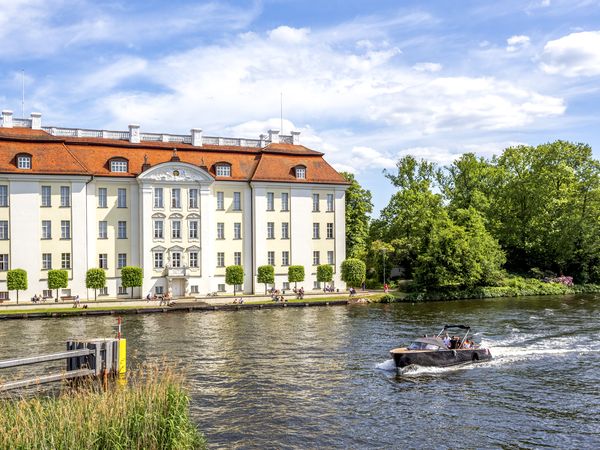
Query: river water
x,y
321,377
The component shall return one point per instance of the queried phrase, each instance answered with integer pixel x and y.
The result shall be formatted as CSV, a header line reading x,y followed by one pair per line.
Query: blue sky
x,y
365,82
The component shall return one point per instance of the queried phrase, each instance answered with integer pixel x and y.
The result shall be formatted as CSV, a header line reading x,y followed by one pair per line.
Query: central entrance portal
x,y
178,287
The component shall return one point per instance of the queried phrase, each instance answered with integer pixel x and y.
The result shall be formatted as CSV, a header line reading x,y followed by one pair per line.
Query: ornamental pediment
x,y
158,248
192,248
176,172
176,248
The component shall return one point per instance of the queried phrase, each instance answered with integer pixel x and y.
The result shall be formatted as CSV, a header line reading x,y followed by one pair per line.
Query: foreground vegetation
x,y
151,411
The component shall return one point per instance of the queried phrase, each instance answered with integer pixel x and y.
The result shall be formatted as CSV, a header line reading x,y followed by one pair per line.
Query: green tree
x,y
234,275
16,280
58,279
266,275
295,274
95,279
358,208
353,271
131,277
324,273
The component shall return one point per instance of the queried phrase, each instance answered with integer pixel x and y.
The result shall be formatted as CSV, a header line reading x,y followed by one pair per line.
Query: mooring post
x,y
108,356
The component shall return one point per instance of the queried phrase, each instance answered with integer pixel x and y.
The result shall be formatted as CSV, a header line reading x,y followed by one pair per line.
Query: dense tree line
x,y
531,210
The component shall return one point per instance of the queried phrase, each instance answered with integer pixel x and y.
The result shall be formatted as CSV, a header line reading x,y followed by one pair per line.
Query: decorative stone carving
x,y
176,172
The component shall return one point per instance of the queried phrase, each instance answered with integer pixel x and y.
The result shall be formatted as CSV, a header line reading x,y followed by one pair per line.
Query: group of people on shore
x,y
164,299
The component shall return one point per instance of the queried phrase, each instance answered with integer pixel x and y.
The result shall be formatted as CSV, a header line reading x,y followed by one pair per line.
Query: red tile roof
x,y
91,156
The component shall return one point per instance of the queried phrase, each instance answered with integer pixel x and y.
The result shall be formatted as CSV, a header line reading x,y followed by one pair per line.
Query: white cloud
x,y
289,35
517,42
427,67
574,55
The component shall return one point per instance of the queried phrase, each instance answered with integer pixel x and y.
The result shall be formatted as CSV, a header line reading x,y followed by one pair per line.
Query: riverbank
x,y
514,287
31,311
150,411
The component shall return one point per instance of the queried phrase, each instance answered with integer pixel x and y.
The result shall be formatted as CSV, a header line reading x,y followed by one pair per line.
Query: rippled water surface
x,y
321,377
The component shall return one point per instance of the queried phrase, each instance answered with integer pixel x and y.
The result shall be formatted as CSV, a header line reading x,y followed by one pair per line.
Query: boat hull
x,y
440,358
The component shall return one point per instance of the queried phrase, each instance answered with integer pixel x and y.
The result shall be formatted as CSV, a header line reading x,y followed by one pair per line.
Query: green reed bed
x,y
149,411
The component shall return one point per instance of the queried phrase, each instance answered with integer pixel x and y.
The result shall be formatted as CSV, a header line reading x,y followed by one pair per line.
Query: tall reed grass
x,y
149,411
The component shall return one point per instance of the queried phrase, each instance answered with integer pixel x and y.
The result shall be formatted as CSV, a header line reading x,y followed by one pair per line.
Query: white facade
x,y
108,220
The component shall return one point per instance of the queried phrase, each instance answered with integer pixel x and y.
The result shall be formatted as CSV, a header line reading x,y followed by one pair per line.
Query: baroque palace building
x,y
182,207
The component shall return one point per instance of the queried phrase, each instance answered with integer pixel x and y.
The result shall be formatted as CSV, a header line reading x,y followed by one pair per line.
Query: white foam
x,y
387,365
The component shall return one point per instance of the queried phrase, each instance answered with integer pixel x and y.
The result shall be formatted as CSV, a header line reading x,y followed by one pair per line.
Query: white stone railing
x,y
21,123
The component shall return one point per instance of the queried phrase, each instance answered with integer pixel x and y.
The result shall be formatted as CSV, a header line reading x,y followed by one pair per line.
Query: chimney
x,y
296,137
146,164
263,140
196,137
134,134
274,136
7,117
36,121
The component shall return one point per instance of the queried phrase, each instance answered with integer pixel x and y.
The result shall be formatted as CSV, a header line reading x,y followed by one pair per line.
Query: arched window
x,y
223,169
24,161
119,165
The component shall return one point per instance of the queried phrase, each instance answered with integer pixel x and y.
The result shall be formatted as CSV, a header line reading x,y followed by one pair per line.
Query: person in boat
x,y
447,340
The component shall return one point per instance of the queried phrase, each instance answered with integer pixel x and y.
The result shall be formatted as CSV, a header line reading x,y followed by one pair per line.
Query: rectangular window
x,y
3,230
159,227
118,166
46,261
285,230
65,229
237,201
3,195
330,231
221,287
193,200
237,230
24,162
316,258
175,198
330,202
65,261
175,259
65,196
316,230
122,290
121,198
47,293
176,229
330,259
270,201
103,260
194,289
121,260
316,285
158,198
223,170
158,260
193,227
159,290
220,259
122,230
193,259
270,230
285,285
103,229
315,202
4,262
271,258
285,201
102,197
220,201
46,196
237,258
46,229
301,173
285,258
220,230
4,295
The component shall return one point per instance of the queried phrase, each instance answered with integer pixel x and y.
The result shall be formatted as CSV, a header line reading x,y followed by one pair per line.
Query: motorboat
x,y
441,350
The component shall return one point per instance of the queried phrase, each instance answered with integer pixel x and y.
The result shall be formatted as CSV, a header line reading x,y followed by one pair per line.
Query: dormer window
x,y
24,161
300,172
118,165
223,170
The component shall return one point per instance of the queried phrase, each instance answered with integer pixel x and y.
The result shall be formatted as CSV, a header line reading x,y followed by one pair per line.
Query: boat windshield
x,y
422,346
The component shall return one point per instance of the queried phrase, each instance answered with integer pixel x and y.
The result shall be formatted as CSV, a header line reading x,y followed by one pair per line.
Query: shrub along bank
x,y
509,287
